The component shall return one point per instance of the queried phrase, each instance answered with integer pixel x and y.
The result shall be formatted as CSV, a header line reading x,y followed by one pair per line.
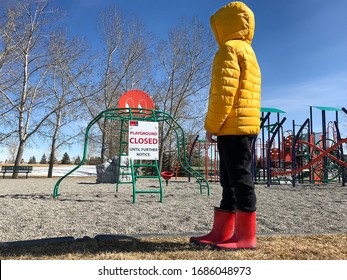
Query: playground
x,y
288,152
305,153
299,176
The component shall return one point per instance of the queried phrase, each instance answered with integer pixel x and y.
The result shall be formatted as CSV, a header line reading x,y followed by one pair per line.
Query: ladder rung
x,y
125,182
147,176
144,165
147,191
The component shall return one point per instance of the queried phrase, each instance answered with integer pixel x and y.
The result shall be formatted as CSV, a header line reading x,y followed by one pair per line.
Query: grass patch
x,y
279,247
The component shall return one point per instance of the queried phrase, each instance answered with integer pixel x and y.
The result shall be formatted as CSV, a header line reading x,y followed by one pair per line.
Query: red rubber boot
x,y
222,229
245,233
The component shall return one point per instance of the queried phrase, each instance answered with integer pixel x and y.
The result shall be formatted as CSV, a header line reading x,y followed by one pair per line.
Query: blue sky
x,y
301,45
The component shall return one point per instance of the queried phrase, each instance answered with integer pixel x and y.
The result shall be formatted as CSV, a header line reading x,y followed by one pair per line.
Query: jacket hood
x,y
235,21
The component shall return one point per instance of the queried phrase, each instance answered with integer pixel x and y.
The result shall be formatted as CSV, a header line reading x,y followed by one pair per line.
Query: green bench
x,y
19,169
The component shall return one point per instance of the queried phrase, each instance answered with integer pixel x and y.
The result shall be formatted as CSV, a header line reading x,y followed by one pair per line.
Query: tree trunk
x,y
103,142
18,158
54,143
51,160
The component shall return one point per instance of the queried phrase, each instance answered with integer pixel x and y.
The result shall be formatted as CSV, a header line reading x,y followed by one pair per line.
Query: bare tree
x,y
6,79
66,65
184,62
38,85
12,150
125,64
24,93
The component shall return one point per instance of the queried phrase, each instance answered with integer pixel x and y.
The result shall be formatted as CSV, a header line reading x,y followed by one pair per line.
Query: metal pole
x,y
324,137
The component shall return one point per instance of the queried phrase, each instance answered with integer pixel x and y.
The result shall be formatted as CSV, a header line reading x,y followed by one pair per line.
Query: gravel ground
x,y
84,208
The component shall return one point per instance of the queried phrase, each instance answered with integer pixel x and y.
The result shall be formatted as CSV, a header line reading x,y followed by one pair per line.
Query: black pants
x,y
235,173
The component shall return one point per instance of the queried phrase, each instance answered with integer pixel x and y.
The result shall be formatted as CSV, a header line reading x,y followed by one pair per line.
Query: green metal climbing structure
x,y
124,115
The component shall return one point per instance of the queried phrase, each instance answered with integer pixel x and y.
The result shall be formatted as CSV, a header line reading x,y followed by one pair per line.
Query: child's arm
x,y
224,85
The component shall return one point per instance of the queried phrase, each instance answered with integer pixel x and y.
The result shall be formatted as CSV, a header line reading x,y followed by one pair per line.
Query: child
x,y
233,116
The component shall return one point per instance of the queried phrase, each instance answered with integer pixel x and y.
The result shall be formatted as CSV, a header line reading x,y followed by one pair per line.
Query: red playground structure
x,y
299,155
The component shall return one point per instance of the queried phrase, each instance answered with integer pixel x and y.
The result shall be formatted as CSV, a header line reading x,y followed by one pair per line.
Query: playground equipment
x,y
167,175
315,158
299,155
125,116
308,156
207,158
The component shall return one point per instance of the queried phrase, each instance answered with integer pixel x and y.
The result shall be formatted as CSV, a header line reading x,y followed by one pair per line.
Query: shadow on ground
x,y
123,247
87,245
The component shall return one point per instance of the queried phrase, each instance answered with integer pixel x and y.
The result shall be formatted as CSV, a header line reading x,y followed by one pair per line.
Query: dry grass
x,y
285,247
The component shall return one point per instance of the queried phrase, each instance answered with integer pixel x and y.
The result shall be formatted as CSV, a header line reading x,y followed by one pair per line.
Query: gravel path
x,y
84,208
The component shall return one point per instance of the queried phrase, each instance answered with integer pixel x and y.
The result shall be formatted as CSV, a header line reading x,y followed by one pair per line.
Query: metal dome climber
x,y
124,116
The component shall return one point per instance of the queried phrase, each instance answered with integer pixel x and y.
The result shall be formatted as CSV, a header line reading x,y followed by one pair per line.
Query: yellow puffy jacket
x,y
234,101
